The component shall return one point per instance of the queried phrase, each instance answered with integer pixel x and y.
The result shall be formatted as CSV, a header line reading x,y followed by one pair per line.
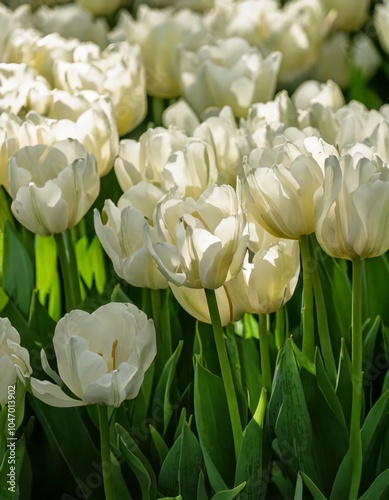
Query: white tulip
x,y
180,115
118,71
351,209
201,243
381,24
350,14
14,359
122,236
229,72
52,186
268,282
159,32
102,357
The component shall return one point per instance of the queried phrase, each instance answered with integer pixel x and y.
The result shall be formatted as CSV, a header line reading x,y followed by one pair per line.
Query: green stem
x,y
324,334
109,488
265,356
225,370
307,303
356,366
280,328
165,325
158,107
67,259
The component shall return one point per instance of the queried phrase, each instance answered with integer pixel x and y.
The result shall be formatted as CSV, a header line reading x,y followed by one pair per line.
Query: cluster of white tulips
x,y
224,126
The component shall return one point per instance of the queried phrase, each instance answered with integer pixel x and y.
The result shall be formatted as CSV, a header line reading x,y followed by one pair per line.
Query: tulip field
x,y
194,237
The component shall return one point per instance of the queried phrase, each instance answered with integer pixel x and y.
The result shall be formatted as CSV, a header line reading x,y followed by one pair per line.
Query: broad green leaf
x,y
236,370
47,278
212,422
249,467
314,490
293,425
64,428
376,277
191,463
370,340
120,486
302,360
378,488
168,482
18,274
163,390
229,494
137,463
205,346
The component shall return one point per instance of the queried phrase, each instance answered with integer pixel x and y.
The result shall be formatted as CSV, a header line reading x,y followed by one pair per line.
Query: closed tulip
x,y
352,207
281,196
122,236
350,14
52,186
102,357
201,243
268,282
14,359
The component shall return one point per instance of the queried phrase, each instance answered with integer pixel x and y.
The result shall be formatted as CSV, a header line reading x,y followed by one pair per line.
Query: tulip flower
x,y
118,71
230,72
102,357
14,359
201,242
52,186
267,282
159,33
352,207
281,198
122,236
350,14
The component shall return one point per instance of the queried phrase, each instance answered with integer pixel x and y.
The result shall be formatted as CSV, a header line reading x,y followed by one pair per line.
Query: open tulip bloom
x,y
102,357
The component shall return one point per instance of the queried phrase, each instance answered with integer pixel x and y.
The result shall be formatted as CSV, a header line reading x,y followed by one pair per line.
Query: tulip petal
x,y
53,395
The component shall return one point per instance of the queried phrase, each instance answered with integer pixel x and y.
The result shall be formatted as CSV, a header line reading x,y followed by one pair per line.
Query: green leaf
x,y
229,494
298,494
377,489
137,463
213,425
191,463
168,482
18,274
163,390
47,278
249,467
341,486
370,340
374,424
376,277
64,428
328,391
343,387
251,374
159,443
314,490
293,426
10,469
201,489
120,486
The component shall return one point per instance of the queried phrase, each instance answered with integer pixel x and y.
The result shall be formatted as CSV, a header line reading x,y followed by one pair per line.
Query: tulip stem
x,y
161,316
356,362
67,259
225,367
109,488
307,302
280,328
265,357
